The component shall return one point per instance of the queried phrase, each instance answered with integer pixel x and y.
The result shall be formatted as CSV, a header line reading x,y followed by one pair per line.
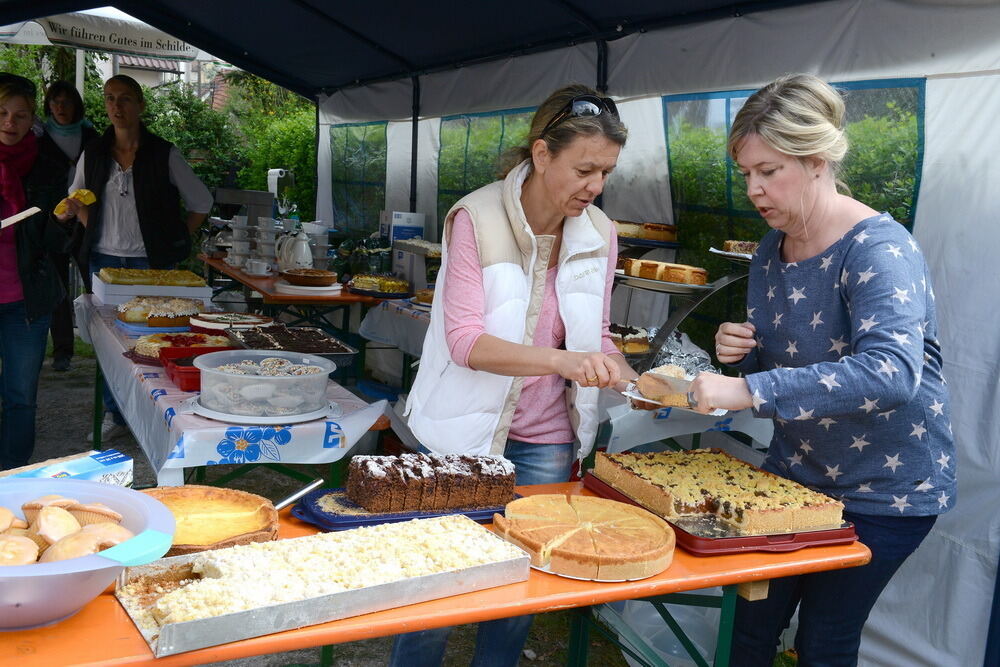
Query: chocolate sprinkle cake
x,y
420,482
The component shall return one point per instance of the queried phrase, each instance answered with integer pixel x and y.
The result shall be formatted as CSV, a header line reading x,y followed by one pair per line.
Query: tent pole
x,y
602,66
81,60
413,143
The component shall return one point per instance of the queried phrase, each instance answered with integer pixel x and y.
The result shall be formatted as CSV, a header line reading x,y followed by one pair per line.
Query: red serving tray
x,y
714,546
187,378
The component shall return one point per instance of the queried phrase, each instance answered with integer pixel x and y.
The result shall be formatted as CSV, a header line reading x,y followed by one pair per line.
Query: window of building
x,y
358,175
472,146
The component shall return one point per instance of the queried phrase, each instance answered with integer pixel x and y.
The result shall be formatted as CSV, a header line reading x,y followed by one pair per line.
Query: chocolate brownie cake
x,y
280,337
423,482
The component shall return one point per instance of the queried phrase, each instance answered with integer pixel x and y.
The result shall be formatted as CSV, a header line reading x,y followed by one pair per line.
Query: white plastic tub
x,y
44,593
262,395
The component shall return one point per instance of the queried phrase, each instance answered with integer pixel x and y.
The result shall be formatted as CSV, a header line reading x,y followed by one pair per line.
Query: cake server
x,y
315,484
18,217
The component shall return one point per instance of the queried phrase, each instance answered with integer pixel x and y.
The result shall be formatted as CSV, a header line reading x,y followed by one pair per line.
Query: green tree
x,y
204,136
881,164
277,129
46,64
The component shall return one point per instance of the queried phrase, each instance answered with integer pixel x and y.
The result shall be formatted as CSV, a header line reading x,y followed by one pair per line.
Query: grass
x,y
81,350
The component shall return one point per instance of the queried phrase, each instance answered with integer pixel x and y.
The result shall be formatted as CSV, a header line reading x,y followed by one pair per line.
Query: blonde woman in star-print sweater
x,y
839,348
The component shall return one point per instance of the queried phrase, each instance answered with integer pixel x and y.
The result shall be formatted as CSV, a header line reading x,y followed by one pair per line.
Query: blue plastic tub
x,y
45,593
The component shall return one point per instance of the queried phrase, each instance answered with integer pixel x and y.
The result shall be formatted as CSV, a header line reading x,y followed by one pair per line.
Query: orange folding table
x,y
103,633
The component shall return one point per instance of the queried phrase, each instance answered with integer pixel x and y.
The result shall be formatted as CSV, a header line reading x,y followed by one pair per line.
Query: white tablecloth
x,y
151,403
397,323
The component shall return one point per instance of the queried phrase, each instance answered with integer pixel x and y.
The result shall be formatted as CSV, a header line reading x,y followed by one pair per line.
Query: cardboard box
x,y
107,467
401,225
112,295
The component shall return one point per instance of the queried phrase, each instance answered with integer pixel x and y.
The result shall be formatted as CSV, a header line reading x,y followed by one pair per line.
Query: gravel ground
x,y
65,403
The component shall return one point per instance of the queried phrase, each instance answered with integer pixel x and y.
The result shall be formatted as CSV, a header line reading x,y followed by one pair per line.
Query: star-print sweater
x,y
848,365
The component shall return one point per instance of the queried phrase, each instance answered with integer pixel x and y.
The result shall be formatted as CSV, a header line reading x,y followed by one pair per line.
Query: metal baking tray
x,y
342,359
705,536
180,637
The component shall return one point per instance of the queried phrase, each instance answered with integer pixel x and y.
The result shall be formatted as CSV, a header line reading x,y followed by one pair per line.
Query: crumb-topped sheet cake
x,y
703,481
252,576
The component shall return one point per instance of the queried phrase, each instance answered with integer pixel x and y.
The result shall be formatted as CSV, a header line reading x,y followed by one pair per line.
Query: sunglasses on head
x,y
582,105
18,84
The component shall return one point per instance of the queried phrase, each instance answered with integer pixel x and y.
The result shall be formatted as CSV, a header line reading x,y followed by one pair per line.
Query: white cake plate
x,y
332,411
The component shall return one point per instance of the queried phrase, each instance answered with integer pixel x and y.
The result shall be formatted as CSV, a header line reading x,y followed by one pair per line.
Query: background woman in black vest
x,y
29,286
140,180
66,134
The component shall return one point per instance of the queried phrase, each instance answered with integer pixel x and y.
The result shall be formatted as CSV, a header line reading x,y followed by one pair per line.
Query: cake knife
x,y
18,217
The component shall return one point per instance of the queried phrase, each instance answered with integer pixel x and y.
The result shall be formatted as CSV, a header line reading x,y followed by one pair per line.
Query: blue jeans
x,y
833,606
22,350
100,261
499,642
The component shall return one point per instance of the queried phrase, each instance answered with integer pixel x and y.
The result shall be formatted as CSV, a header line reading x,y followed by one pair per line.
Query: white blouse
x,y
120,235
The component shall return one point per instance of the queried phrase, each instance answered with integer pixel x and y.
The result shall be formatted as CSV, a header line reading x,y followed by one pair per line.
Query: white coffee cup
x,y
257,267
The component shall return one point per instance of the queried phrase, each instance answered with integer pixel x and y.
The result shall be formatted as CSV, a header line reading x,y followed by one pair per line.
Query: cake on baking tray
x,y
589,538
151,344
379,283
421,482
629,340
674,273
163,277
702,481
743,247
159,311
251,576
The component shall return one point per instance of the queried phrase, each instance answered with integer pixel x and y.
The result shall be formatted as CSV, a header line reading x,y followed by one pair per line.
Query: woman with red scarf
x,y
29,285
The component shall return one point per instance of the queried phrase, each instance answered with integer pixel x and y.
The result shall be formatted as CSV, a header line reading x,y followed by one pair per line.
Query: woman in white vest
x,y
518,347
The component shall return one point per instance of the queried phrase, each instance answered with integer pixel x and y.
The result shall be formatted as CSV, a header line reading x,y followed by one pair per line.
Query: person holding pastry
x,y
840,349
140,181
518,346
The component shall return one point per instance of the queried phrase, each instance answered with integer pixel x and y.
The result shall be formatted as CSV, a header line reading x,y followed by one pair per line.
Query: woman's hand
x,y
588,369
73,208
711,391
733,341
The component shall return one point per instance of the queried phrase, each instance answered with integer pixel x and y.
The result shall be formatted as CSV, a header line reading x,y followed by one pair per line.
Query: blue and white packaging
x,y
107,467
405,225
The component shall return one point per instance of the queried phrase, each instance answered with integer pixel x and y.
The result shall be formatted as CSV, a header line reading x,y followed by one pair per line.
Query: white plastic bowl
x,y
41,594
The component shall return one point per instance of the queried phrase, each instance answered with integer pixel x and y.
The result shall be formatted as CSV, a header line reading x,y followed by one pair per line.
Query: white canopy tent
x,y
937,609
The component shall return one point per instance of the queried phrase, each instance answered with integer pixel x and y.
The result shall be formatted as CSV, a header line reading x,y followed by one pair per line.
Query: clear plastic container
x,y
269,395
45,593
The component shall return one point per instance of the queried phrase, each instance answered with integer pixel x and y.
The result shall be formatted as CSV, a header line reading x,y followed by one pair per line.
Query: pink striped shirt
x,y
541,415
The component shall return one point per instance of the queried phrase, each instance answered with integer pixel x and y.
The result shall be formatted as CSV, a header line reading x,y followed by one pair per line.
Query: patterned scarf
x,y
15,162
